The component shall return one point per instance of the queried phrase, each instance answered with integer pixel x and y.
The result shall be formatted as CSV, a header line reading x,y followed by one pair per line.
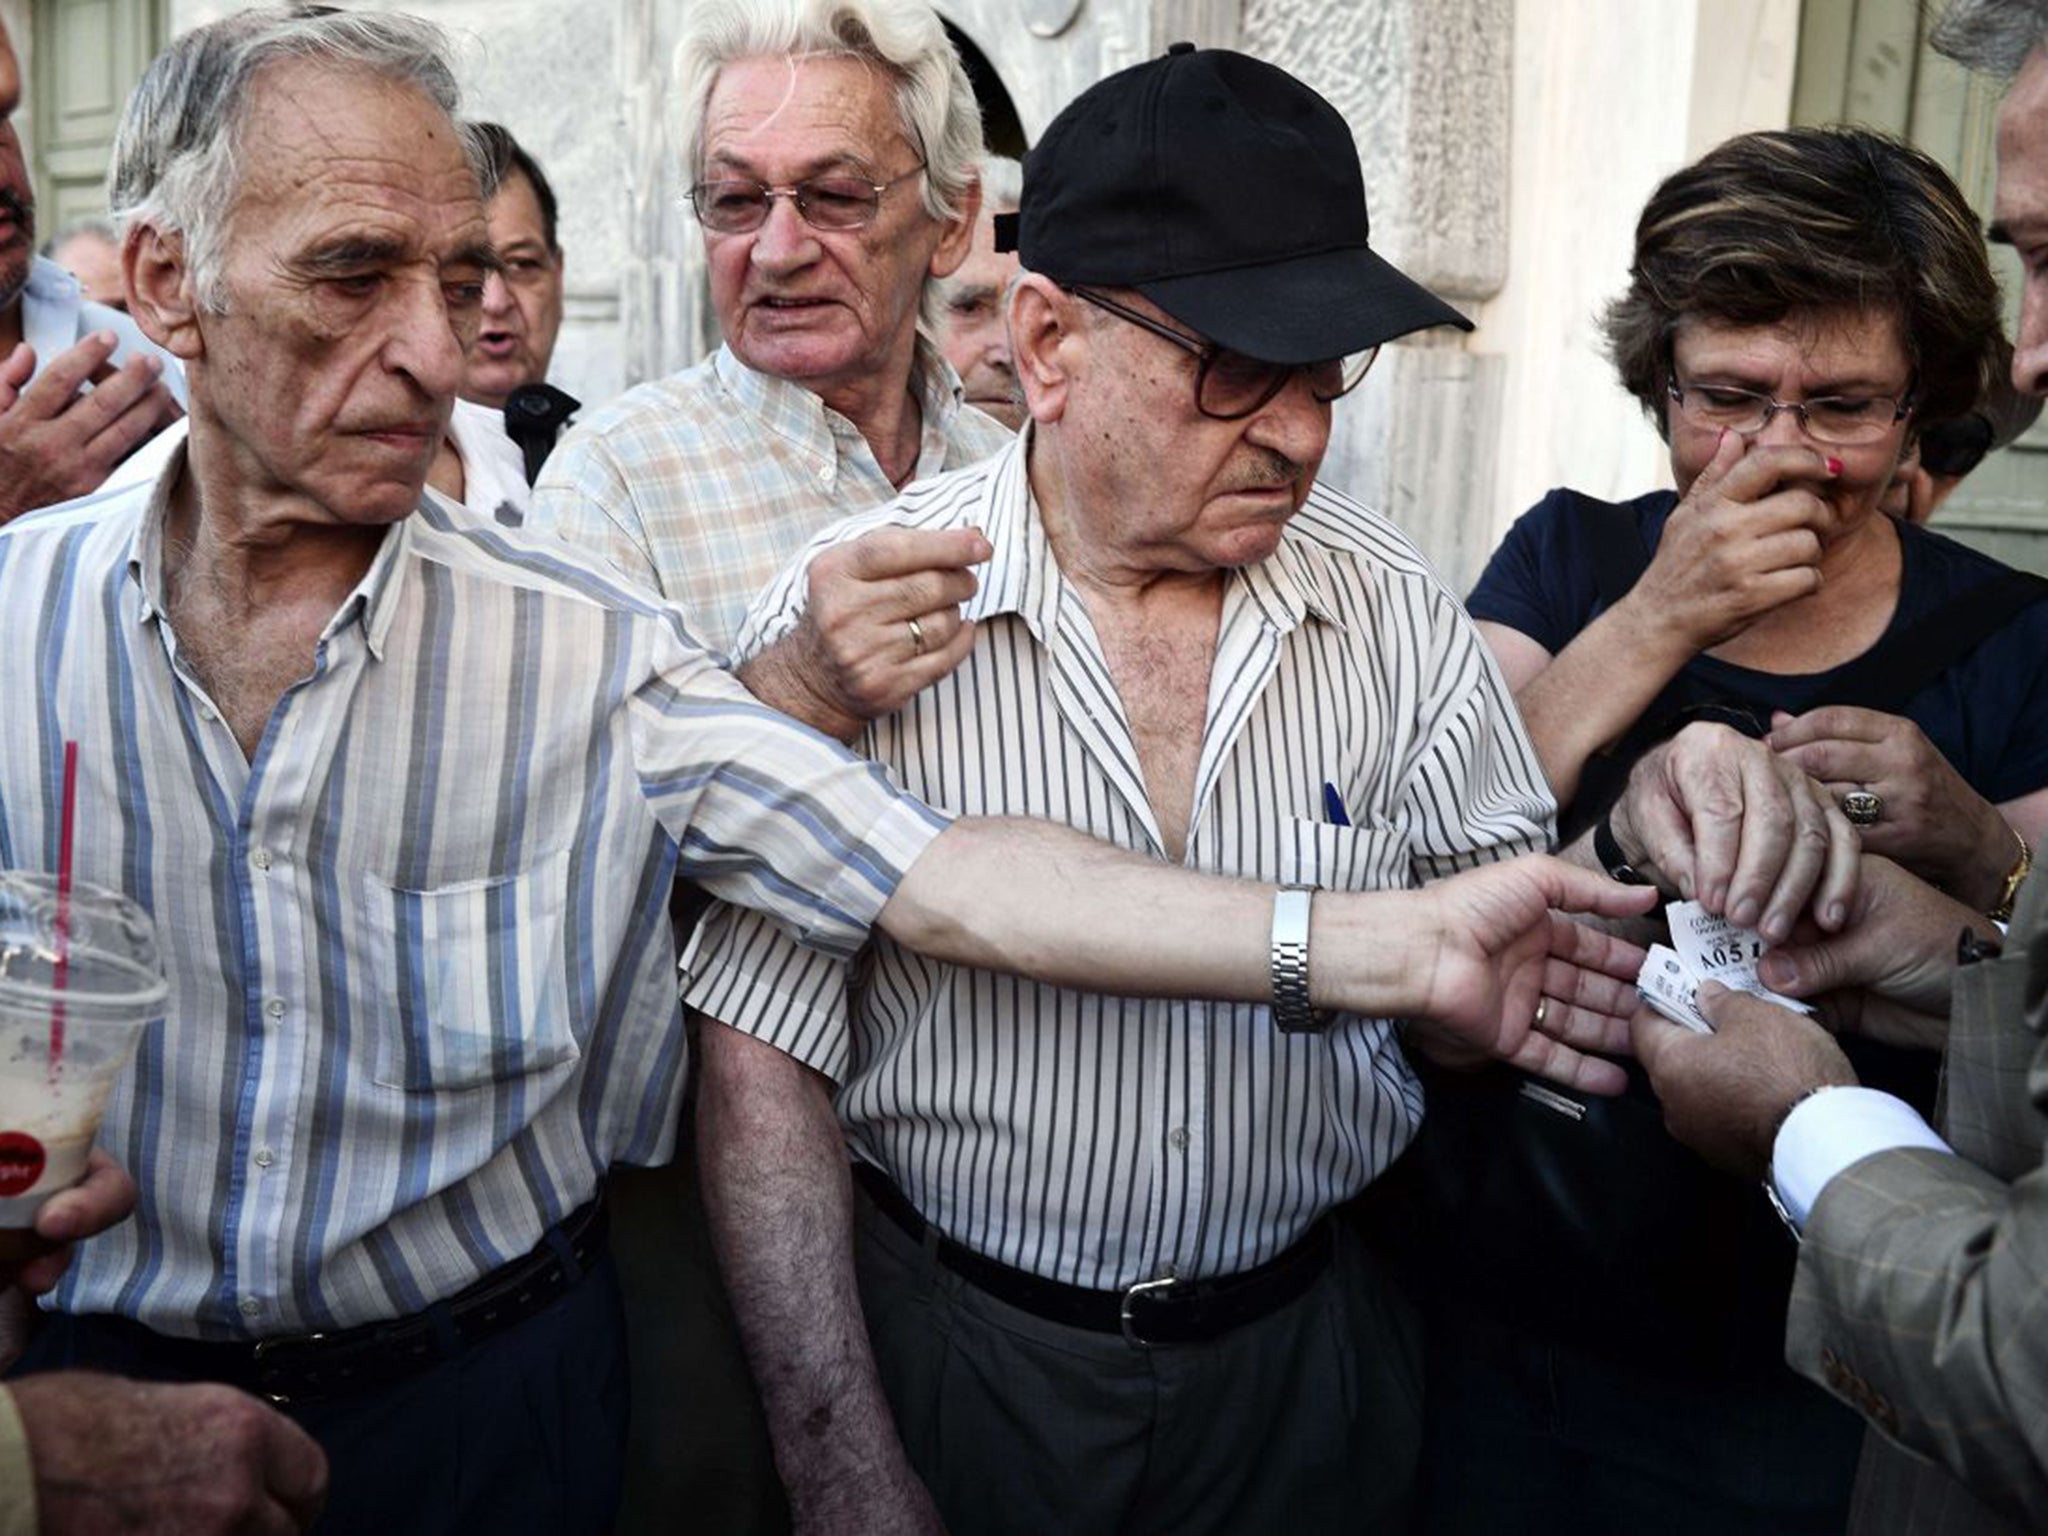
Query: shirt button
x,y
1177,1138
251,1306
275,1007
265,1157
260,859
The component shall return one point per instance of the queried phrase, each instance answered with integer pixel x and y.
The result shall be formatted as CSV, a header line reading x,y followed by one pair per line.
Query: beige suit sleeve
x,y
17,1473
1921,1300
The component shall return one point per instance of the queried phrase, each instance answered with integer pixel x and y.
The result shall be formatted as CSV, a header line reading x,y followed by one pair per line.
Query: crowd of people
x,y
940,808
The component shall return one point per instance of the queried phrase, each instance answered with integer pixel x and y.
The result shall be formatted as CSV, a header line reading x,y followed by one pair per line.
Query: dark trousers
x,y
523,1432
1304,1422
1527,1438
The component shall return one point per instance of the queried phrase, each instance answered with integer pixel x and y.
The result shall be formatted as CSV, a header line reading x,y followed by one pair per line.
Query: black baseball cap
x,y
1229,194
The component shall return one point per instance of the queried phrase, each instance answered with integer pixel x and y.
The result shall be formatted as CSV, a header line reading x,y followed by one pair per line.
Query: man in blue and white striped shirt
x,y
406,794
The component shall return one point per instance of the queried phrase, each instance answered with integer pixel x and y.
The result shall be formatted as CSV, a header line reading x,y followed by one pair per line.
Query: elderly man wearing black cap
x,y
1094,1239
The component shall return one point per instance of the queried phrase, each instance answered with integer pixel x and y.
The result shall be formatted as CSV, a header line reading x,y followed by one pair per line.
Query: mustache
x,y
22,208
1268,470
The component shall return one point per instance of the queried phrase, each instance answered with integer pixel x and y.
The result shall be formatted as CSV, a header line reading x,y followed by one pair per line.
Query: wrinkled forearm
x,y
1594,689
780,1200
779,679
1037,899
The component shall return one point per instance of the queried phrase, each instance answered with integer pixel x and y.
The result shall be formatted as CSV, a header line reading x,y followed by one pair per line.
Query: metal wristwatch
x,y
1292,1012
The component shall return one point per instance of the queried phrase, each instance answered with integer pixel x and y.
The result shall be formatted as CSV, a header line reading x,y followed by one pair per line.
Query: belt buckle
x,y
1125,1313
262,1351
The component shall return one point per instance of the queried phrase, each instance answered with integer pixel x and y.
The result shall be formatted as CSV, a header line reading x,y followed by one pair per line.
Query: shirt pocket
x,y
1334,858
473,978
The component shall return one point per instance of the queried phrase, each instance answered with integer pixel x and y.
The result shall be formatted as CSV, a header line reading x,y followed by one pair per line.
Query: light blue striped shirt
x,y
422,975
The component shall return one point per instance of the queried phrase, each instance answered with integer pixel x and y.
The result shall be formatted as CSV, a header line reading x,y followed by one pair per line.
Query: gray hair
x,y
903,38
1002,184
177,155
1994,36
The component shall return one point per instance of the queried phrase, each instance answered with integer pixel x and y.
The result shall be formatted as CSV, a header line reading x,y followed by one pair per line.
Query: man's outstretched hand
x,y
1503,941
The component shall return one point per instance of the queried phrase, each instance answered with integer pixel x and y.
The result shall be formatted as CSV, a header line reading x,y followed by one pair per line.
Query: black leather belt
x,y
1164,1311
317,1366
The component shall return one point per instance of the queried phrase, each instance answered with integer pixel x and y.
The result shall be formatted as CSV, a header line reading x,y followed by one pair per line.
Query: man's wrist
x,y
779,678
1288,963
1826,1132
1375,952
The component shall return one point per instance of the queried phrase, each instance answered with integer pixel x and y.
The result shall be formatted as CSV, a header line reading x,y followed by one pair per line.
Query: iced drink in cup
x,y
79,979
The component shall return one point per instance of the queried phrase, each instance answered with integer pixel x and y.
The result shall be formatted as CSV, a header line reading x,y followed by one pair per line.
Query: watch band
x,y
1608,851
1292,1012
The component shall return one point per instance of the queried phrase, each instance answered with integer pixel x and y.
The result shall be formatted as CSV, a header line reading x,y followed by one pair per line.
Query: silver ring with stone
x,y
916,637
1863,807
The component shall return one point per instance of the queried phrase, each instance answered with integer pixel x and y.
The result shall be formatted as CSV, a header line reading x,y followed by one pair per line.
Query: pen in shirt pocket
x,y
1333,806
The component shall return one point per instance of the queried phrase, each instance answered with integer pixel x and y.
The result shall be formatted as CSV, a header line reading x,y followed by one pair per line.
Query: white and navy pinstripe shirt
x,y
1102,1141
422,975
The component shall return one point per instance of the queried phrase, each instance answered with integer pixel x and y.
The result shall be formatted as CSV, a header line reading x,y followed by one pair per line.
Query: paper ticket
x,y
1668,987
1714,949
1703,948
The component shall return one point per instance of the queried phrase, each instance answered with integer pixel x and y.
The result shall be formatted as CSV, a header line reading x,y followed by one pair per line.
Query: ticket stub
x,y
1703,948
1714,949
1668,987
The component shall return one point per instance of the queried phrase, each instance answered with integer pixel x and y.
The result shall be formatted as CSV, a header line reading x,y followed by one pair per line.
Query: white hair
x,y
177,155
905,39
1994,36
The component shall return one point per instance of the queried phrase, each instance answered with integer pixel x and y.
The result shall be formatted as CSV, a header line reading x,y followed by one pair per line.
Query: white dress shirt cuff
x,y
1826,1132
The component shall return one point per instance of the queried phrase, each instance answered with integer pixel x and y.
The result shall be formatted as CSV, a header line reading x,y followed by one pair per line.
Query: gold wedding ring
x,y
1542,1013
916,637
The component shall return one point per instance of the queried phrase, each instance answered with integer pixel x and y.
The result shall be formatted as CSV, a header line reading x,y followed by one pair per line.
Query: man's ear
x,y
160,290
958,238
1044,343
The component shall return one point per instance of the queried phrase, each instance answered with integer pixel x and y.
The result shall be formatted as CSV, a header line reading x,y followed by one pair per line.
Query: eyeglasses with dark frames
x,y
737,206
1230,386
1841,421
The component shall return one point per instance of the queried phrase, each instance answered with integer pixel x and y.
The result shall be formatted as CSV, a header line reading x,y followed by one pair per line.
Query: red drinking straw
x,y
64,902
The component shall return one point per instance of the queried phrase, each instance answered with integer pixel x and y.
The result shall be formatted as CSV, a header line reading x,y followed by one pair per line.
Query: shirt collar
x,y
798,416
1293,583
1023,577
372,602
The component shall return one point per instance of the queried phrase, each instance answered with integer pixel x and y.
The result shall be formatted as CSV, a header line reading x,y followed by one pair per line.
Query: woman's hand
x,y
1741,543
1932,821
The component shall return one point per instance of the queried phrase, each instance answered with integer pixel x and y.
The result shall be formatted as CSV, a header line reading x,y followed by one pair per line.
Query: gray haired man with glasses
x,y
831,149
1094,1278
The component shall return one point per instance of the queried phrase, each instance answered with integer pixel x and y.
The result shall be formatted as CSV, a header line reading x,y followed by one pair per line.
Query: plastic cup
x,y
109,986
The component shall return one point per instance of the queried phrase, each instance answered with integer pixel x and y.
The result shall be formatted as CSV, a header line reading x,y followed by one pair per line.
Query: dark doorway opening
x,y
1000,125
